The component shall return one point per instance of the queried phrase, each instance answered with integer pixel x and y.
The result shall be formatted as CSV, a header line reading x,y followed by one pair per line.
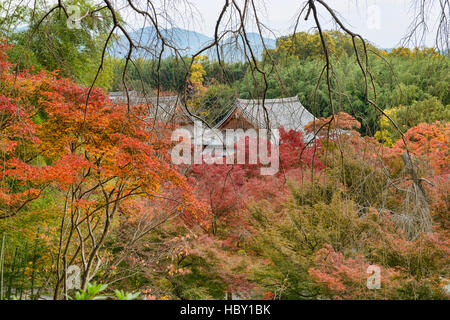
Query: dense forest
x,y
88,188
402,78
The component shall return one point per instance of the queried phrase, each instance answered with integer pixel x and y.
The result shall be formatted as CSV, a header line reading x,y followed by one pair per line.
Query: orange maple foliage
x,y
431,141
93,157
334,124
98,145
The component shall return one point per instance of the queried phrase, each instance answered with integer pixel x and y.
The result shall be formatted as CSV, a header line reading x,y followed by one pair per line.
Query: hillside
x,y
188,43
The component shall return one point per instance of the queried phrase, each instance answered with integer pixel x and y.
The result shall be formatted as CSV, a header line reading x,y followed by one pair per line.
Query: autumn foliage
x,y
100,178
92,156
432,142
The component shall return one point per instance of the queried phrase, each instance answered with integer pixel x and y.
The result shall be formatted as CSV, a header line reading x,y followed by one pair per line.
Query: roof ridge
x,y
275,100
225,117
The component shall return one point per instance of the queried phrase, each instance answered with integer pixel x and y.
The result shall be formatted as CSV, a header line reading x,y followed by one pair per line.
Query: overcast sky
x,y
383,22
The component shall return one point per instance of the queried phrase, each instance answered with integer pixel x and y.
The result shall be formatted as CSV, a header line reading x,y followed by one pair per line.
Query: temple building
x,y
162,108
287,113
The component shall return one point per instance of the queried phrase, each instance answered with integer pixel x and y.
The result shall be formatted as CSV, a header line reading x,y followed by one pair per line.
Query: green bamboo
x,y
33,271
13,275
2,257
24,265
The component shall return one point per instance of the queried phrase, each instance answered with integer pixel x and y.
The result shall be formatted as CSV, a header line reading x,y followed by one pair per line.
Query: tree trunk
x,y
421,213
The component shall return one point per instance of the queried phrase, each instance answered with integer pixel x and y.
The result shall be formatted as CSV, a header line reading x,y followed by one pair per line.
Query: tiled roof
x,y
288,113
162,107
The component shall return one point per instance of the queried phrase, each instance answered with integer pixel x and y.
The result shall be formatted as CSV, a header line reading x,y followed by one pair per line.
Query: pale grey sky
x,y
383,22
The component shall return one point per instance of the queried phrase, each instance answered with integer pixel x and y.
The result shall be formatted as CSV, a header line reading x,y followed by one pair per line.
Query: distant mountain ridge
x,y
188,43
